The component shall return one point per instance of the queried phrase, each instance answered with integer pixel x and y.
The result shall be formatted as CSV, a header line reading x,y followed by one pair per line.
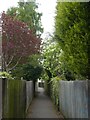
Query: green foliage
x,y
55,90
5,75
31,70
51,55
17,72
27,12
72,32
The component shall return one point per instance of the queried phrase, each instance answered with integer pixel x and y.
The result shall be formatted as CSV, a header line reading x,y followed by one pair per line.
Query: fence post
x,y
0,98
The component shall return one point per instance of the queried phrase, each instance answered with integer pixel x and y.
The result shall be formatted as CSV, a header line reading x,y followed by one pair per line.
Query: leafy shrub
x,y
31,72
55,90
5,75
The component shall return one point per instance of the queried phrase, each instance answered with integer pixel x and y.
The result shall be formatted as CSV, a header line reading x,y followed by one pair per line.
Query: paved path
x,y
42,107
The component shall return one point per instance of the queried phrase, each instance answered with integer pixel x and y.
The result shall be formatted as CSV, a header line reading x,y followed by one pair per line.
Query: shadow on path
x,y
42,107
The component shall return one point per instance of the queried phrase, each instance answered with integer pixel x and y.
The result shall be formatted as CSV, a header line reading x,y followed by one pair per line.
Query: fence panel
x,y
73,98
17,95
0,99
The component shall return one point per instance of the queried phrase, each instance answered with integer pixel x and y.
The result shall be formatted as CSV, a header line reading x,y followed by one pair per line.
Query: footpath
x,y
42,107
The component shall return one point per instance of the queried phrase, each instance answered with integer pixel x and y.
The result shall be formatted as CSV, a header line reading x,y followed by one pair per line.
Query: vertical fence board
x,y
29,93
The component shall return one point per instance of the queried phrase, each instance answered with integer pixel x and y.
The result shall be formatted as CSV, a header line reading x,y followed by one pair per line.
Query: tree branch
x,y
10,61
15,64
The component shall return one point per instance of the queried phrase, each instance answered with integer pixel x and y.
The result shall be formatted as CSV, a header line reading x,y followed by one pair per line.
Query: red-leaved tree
x,y
18,42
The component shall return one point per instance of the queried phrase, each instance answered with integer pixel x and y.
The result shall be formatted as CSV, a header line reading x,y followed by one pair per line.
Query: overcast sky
x,y
47,7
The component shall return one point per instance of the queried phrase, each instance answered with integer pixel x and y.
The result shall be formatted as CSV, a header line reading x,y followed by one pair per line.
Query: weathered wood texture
x,y
73,98
16,98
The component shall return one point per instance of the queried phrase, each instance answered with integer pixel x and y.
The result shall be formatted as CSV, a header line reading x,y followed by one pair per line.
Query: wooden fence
x,y
73,99
0,99
16,98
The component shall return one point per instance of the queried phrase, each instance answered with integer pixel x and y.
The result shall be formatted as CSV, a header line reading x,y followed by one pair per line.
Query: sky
x,y
47,7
